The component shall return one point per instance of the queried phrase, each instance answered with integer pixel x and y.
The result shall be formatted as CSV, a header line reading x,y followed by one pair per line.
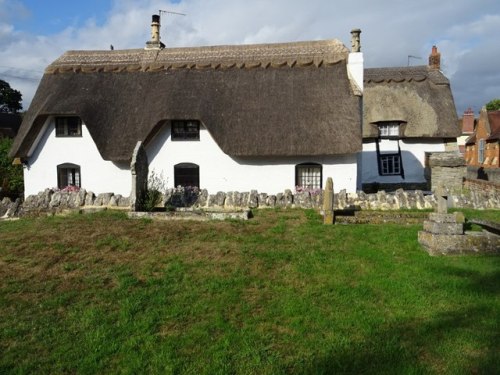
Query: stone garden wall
x,y
54,201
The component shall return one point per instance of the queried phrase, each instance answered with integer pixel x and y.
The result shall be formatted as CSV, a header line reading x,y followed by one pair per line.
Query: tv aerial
x,y
160,12
413,57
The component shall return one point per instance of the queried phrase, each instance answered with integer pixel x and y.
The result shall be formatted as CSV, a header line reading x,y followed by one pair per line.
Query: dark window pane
x,y
187,174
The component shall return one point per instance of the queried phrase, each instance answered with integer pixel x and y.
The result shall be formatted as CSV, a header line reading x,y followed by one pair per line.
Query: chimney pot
x,y
155,43
435,59
356,40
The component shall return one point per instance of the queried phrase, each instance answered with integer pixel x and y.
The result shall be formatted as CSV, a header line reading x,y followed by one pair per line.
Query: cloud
x,y
464,31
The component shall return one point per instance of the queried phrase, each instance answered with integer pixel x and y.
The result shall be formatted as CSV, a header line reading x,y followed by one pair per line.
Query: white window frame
x,y
389,129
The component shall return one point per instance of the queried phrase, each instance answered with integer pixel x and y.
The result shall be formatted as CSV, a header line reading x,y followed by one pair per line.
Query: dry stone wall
x,y
53,201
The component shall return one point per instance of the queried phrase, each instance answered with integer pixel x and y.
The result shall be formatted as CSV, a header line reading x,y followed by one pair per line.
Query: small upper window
x,y
390,129
186,130
68,127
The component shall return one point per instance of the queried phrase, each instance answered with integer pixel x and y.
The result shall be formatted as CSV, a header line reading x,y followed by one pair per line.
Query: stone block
x,y
440,244
253,199
443,228
442,218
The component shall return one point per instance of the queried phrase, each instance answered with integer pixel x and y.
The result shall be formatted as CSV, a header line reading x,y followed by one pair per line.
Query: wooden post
x,y
328,214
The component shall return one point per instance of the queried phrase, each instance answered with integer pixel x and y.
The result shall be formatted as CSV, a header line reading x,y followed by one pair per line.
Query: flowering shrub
x,y
69,189
305,189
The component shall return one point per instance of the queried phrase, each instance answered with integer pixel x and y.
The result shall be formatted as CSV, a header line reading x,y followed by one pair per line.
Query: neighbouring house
x,y
9,124
267,117
408,113
467,123
483,147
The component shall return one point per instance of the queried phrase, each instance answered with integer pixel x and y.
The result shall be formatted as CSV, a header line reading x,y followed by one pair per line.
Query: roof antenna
x,y
412,57
170,12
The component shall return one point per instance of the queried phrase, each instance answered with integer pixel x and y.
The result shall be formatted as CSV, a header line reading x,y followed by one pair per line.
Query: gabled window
x,y
390,164
389,129
68,175
309,175
480,151
68,127
185,130
187,174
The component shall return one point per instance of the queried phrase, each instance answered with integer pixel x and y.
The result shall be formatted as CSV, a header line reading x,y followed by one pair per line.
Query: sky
x,y
33,33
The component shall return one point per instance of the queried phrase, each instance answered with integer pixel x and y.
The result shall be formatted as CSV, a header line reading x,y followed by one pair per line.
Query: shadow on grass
x,y
463,340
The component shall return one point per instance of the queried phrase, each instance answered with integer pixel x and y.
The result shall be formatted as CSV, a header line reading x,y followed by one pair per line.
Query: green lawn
x,y
279,294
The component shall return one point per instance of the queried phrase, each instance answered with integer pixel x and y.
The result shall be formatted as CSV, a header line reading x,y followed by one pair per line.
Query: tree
x,y
493,105
10,99
11,176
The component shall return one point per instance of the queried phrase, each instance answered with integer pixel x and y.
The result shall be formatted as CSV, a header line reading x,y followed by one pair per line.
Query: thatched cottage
x,y
268,117
408,112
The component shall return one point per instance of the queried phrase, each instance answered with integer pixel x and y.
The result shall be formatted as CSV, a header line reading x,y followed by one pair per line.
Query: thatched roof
x,y
255,100
419,97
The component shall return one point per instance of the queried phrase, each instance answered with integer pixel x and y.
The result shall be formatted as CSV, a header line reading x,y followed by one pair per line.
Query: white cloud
x,y
464,31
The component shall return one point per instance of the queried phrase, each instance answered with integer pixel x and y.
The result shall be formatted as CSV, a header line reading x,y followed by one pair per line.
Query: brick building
x,y
483,147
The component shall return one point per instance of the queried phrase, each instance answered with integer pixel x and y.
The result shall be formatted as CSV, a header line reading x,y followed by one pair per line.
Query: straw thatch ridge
x,y
290,110
212,57
418,96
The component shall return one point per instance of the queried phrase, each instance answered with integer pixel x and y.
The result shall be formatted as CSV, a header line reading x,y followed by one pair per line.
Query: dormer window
x,y
183,130
68,127
389,129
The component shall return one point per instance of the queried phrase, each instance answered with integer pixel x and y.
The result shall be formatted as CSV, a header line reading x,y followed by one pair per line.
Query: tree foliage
x,y
10,99
11,176
493,105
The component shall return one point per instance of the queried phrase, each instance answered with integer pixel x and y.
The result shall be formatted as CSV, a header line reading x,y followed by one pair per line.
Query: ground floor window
x,y
309,175
68,175
187,174
390,164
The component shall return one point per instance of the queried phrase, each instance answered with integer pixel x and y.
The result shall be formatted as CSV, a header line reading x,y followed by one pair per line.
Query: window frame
x,y
390,169
186,166
184,134
389,129
298,177
62,127
62,175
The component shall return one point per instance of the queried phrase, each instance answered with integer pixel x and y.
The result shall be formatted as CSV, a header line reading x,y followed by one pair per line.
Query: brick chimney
x,y
155,43
468,122
435,59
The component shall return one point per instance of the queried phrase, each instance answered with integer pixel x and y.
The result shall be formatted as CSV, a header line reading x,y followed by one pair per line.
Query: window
x,y
389,129
390,164
309,175
68,175
68,127
480,152
186,174
186,130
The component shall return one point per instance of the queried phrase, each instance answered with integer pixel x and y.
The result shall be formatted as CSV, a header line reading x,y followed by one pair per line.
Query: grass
x,y
280,294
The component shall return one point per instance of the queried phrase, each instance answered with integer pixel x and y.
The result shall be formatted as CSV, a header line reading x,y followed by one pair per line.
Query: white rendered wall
x,y
355,68
97,175
413,156
220,172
